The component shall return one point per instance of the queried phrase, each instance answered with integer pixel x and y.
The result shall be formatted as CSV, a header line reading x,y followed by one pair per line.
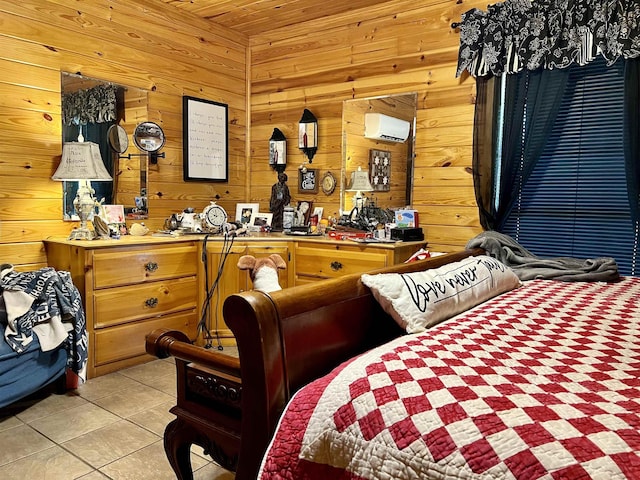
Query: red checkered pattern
x,y
541,382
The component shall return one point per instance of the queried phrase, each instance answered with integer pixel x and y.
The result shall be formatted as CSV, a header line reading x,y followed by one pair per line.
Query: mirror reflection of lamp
x,y
82,162
359,183
308,134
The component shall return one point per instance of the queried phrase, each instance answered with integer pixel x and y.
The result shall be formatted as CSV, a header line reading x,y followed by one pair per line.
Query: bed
x,y
539,382
43,333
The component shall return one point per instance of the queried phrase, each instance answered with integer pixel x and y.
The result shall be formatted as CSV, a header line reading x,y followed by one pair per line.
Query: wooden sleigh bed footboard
x,y
285,339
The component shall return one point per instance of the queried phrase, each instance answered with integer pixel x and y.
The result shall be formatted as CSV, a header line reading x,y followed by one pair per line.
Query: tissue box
x,y
407,219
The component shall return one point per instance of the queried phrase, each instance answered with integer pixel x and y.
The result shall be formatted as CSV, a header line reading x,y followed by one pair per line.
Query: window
x,y
575,201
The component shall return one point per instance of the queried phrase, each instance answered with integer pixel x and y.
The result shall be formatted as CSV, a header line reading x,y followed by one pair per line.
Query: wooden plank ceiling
x,y
253,17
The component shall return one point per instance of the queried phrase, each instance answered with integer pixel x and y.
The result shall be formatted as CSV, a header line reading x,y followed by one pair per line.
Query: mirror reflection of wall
x,y
90,107
358,151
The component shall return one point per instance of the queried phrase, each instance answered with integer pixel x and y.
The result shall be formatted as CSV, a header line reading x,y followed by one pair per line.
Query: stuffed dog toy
x,y
263,271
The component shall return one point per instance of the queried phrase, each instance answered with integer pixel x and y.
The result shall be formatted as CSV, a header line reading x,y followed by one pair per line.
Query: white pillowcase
x,y
419,300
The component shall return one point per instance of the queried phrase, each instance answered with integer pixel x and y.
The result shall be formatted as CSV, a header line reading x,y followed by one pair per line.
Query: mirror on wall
x,y
389,162
107,114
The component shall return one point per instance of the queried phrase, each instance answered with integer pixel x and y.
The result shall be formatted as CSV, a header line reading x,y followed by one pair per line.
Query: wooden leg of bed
x,y
177,446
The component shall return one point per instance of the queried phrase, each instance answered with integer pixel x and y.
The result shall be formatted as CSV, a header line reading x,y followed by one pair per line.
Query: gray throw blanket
x,y
527,266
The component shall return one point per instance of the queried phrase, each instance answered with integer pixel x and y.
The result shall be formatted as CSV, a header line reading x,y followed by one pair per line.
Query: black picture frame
x,y
308,181
205,140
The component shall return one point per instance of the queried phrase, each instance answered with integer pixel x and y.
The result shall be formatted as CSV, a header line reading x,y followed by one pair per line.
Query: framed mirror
x,y
149,137
106,113
389,163
118,139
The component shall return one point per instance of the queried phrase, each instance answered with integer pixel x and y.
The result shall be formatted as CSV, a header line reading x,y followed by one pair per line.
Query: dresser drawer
x,y
127,341
115,267
335,261
124,304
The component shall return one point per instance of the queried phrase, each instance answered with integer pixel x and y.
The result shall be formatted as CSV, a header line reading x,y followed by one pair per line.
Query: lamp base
x,y
81,234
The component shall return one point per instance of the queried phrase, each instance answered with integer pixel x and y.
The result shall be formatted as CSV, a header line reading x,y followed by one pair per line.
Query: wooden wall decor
x,y
380,170
308,180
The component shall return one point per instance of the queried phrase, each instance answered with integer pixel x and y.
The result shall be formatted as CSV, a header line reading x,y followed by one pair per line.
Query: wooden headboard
x,y
286,339
290,337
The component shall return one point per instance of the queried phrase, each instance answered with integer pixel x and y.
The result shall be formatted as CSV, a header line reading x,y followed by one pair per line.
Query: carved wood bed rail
x,y
285,339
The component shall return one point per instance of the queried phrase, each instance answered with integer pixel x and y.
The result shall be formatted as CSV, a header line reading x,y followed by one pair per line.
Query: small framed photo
x,y
261,222
244,212
303,213
308,181
318,211
114,213
115,219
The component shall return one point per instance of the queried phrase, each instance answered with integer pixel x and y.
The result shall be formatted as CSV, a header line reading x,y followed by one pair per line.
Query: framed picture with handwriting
x,y
205,140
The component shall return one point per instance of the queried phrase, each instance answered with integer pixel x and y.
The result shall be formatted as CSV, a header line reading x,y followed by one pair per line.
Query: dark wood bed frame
x,y
286,339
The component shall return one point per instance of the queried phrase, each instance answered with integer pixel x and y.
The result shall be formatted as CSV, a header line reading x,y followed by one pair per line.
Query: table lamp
x,y
82,162
359,183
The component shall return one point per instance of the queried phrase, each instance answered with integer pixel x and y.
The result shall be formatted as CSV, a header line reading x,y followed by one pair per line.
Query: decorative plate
x,y
328,183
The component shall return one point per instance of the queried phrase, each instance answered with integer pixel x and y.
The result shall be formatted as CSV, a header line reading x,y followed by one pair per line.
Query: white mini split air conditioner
x,y
383,127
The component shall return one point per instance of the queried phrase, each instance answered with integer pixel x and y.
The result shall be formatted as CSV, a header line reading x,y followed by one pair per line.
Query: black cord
x,y
203,324
226,250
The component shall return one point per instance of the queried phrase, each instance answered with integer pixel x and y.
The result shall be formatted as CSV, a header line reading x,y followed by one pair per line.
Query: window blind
x,y
575,202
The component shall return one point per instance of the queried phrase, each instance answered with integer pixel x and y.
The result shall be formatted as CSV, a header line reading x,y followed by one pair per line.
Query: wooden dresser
x,y
135,285
130,287
324,258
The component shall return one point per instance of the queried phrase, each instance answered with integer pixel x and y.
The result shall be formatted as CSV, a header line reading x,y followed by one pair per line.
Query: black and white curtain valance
x,y
94,105
519,34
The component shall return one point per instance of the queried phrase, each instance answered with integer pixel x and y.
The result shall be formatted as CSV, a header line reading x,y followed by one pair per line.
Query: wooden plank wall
x,y
399,46
139,43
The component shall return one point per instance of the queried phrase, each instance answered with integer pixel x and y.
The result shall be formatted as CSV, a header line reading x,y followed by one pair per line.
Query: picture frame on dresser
x,y
260,221
205,140
244,212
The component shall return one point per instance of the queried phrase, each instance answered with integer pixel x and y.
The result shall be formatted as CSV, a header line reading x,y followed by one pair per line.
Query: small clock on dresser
x,y
214,216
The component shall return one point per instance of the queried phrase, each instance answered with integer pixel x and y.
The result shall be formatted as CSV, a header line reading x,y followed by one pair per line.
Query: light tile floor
x,y
109,428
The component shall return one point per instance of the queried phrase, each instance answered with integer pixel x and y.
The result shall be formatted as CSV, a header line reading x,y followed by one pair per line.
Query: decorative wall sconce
x,y
278,151
308,134
82,162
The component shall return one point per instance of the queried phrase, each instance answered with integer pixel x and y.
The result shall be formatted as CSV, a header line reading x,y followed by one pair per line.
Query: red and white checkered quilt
x,y
540,382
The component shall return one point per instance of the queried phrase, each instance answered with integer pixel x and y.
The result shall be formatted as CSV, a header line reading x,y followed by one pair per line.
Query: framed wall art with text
x,y
205,140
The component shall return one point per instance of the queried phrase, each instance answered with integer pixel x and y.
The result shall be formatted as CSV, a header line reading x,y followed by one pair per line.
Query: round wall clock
x,y
214,216
328,183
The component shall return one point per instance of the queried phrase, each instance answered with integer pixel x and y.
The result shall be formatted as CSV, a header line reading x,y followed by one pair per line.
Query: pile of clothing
x,y
45,303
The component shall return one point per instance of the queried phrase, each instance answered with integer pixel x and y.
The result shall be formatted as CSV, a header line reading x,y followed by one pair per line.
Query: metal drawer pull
x,y
151,302
335,266
151,266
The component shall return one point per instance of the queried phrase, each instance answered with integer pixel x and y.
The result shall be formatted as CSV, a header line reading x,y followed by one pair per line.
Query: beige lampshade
x,y
81,161
360,182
